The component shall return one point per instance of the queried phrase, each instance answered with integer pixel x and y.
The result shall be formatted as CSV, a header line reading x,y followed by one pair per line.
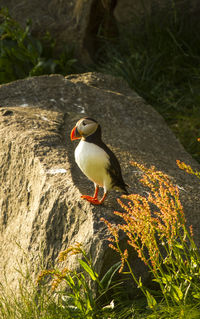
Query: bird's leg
x,y
96,192
94,200
94,197
104,196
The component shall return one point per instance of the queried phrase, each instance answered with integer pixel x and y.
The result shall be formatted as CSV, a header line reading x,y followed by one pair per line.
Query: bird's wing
x,y
114,169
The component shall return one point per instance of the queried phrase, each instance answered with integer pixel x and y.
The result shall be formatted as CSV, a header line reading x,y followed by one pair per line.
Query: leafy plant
x,y
78,297
23,55
188,168
155,226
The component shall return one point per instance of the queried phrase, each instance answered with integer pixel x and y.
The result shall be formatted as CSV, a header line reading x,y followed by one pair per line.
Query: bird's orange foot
x,y
93,200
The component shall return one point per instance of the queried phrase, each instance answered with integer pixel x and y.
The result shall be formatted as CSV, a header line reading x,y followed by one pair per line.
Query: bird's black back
x,y
114,168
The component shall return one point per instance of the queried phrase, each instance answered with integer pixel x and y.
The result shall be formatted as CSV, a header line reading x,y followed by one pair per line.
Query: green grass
x,y
162,242
161,63
73,298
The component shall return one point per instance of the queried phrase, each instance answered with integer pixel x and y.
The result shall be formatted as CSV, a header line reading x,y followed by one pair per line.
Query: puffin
x,y
96,160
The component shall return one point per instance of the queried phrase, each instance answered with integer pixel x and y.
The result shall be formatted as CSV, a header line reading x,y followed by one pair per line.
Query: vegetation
x,y
162,64
23,55
155,227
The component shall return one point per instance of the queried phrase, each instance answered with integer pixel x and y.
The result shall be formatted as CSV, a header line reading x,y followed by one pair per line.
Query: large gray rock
x,y
40,204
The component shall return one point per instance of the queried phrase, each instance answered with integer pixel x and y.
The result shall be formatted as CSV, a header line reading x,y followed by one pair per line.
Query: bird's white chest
x,y
93,161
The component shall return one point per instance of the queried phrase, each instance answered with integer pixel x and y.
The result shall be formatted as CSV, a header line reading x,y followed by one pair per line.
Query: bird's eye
x,y
83,123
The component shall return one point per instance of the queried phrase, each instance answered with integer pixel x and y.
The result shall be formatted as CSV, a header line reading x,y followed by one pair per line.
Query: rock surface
x,y
40,204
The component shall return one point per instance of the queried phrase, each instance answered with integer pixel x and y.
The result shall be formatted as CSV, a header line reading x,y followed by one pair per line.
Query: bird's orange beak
x,y
75,135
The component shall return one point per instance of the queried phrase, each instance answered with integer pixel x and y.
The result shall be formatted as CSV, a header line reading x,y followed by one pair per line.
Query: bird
x,y
96,160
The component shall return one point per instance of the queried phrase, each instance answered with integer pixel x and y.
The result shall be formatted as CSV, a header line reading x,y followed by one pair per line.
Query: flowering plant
x,y
155,226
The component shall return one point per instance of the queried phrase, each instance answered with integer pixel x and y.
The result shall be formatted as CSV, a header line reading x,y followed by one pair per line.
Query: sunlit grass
x,y
155,227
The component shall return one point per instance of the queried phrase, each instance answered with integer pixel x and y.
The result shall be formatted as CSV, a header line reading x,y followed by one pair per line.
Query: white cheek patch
x,y
88,129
